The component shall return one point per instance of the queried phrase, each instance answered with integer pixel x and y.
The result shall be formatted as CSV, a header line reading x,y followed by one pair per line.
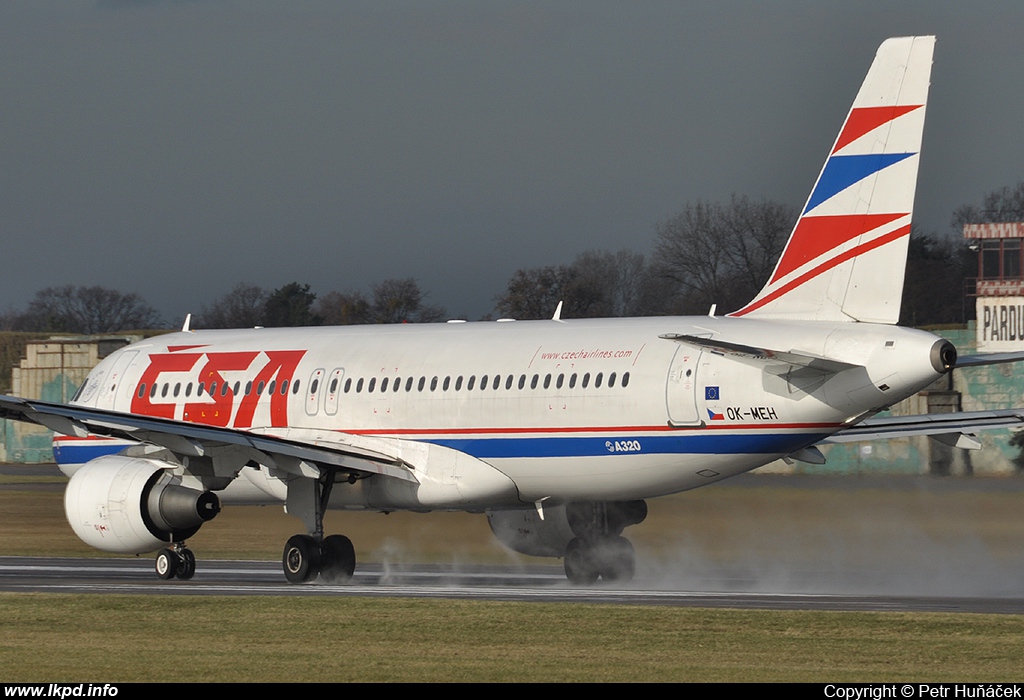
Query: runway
x,y
534,583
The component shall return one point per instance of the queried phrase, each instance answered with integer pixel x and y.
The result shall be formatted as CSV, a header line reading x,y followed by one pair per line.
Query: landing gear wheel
x,y
166,564
301,559
338,559
617,559
579,563
186,565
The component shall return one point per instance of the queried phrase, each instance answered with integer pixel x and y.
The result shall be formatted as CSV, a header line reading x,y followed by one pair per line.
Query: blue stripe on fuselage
x,y
679,443
80,454
683,442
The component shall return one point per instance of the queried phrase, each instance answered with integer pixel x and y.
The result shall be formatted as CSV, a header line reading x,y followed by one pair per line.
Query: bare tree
x,y
998,206
344,309
242,307
722,254
392,301
597,284
401,301
535,292
933,290
71,309
619,278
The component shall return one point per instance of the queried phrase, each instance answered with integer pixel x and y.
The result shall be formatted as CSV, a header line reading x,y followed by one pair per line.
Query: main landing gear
x,y
333,558
305,557
599,550
176,561
611,558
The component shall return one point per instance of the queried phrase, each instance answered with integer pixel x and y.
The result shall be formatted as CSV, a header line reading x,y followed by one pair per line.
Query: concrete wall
x,y
52,370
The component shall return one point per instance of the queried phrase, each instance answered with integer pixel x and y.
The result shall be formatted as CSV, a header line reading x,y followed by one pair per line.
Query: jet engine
x,y
131,505
524,531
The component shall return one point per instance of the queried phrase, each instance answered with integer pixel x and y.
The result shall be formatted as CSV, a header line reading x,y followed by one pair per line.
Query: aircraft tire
x,y
187,565
618,559
301,559
338,559
579,563
166,564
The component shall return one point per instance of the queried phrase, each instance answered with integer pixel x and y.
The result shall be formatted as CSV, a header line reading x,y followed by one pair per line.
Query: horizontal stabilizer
x,y
988,358
929,424
797,359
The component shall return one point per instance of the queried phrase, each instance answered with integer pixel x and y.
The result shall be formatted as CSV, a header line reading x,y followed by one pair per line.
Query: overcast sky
x,y
176,148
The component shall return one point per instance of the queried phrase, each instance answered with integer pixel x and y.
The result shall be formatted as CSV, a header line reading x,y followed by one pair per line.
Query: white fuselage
x,y
578,410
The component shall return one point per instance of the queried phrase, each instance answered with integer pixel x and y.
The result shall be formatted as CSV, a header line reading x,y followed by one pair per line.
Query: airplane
x,y
560,429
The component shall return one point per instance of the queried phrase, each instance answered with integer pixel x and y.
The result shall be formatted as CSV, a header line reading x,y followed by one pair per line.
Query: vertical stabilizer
x,y
846,257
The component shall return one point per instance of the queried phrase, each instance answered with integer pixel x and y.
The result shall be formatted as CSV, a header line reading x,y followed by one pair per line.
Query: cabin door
x,y
681,387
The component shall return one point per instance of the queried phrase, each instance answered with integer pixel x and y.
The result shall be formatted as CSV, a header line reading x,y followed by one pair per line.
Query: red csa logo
x,y
216,404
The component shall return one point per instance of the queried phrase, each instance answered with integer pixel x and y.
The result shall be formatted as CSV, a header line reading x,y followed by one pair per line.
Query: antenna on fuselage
x,y
188,322
558,312
711,313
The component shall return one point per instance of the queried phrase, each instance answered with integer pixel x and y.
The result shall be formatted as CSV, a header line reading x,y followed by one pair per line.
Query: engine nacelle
x,y
525,532
130,505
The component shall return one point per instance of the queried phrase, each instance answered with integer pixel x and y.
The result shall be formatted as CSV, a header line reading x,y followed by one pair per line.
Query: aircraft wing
x,y
954,429
194,439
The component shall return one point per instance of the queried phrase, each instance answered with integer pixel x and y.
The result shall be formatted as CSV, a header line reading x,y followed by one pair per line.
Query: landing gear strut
x,y
599,550
176,561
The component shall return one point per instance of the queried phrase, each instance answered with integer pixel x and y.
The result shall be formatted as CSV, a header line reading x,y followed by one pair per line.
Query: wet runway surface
x,y
534,583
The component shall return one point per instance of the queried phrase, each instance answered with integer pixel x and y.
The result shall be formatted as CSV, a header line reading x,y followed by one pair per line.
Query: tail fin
x,y
846,257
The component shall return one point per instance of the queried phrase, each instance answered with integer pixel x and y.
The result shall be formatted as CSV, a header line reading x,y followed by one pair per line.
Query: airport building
x,y
50,370
998,296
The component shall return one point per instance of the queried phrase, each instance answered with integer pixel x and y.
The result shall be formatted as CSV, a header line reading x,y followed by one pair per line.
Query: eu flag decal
x,y
711,393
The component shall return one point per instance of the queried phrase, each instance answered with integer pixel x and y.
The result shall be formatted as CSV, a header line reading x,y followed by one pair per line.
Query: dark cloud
x,y
181,147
